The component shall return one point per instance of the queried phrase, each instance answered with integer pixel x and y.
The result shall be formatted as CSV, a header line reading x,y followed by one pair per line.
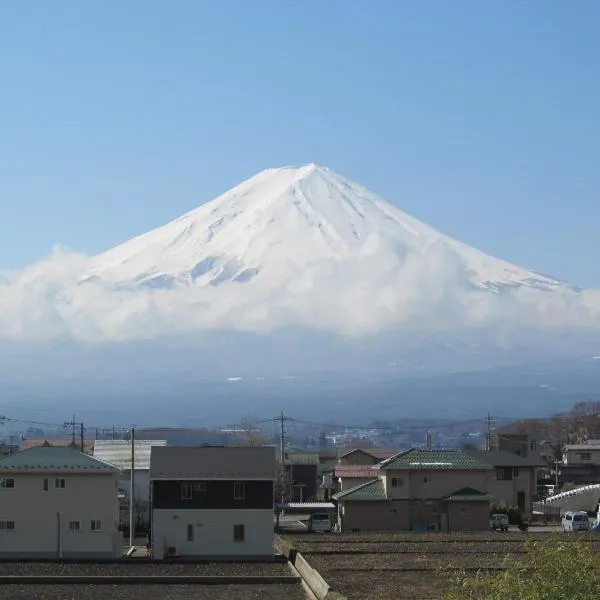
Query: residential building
x,y
88,445
55,503
580,464
513,481
7,449
425,490
582,454
212,502
118,453
520,444
348,476
364,456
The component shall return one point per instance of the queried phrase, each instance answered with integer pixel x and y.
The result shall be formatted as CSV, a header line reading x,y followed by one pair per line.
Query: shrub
x,y
553,569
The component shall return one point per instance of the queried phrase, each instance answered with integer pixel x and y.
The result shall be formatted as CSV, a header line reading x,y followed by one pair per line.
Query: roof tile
x,y
435,460
53,458
371,490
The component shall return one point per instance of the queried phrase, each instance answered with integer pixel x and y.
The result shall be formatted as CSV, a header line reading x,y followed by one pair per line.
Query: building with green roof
x,y
422,490
56,503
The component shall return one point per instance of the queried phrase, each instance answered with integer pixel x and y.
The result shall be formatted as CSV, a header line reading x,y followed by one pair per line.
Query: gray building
x,y
212,502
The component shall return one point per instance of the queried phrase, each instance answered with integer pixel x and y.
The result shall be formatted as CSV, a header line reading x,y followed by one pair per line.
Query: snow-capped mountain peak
x,y
282,222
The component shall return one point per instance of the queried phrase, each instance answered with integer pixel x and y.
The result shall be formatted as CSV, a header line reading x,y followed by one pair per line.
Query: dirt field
x,y
391,566
143,568
152,592
149,592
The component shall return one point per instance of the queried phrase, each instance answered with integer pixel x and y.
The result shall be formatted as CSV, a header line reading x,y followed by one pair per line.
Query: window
x,y
46,485
239,491
504,474
239,533
397,482
200,487
7,525
190,533
7,483
73,525
532,445
585,456
186,490
59,484
96,525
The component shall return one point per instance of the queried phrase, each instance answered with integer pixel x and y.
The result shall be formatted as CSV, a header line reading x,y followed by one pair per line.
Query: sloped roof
x,y
378,453
56,459
118,452
26,444
502,458
371,490
357,471
213,462
434,460
467,494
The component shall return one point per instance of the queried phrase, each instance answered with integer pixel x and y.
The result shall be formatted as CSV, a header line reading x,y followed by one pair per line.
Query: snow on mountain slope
x,y
276,225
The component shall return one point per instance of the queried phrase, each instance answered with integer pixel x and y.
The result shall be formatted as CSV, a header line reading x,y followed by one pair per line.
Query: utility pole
x,y
73,424
132,491
429,440
282,419
488,434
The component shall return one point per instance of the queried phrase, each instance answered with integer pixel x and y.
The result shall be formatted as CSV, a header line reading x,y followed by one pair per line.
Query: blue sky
x,y
479,118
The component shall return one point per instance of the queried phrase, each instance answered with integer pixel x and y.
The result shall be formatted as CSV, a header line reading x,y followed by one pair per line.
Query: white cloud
x,y
370,293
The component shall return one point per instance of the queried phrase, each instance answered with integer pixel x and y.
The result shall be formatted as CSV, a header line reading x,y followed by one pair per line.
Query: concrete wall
x,y
438,484
468,516
433,484
213,532
374,516
38,527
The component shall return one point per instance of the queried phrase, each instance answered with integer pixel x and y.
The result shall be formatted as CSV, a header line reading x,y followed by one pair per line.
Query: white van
x,y
576,521
320,522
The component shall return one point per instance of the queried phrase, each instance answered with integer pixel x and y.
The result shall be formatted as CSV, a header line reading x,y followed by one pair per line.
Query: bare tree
x,y
250,433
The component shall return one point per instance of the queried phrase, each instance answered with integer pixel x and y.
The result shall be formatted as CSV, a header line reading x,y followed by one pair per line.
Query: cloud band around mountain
x,y
365,295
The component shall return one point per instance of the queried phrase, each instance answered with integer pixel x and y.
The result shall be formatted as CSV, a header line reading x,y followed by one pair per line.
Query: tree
x,y
282,489
251,434
547,571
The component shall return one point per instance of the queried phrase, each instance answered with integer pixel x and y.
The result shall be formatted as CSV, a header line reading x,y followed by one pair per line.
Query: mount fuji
x,y
296,277
281,223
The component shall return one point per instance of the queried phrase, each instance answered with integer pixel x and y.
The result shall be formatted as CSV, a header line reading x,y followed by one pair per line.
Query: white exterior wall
x,y
86,497
213,532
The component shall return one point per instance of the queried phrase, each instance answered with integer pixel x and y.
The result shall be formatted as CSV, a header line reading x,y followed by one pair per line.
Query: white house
x,y
213,502
118,453
56,502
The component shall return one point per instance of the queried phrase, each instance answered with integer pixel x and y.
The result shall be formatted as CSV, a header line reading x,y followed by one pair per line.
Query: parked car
x,y
576,521
499,521
320,522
